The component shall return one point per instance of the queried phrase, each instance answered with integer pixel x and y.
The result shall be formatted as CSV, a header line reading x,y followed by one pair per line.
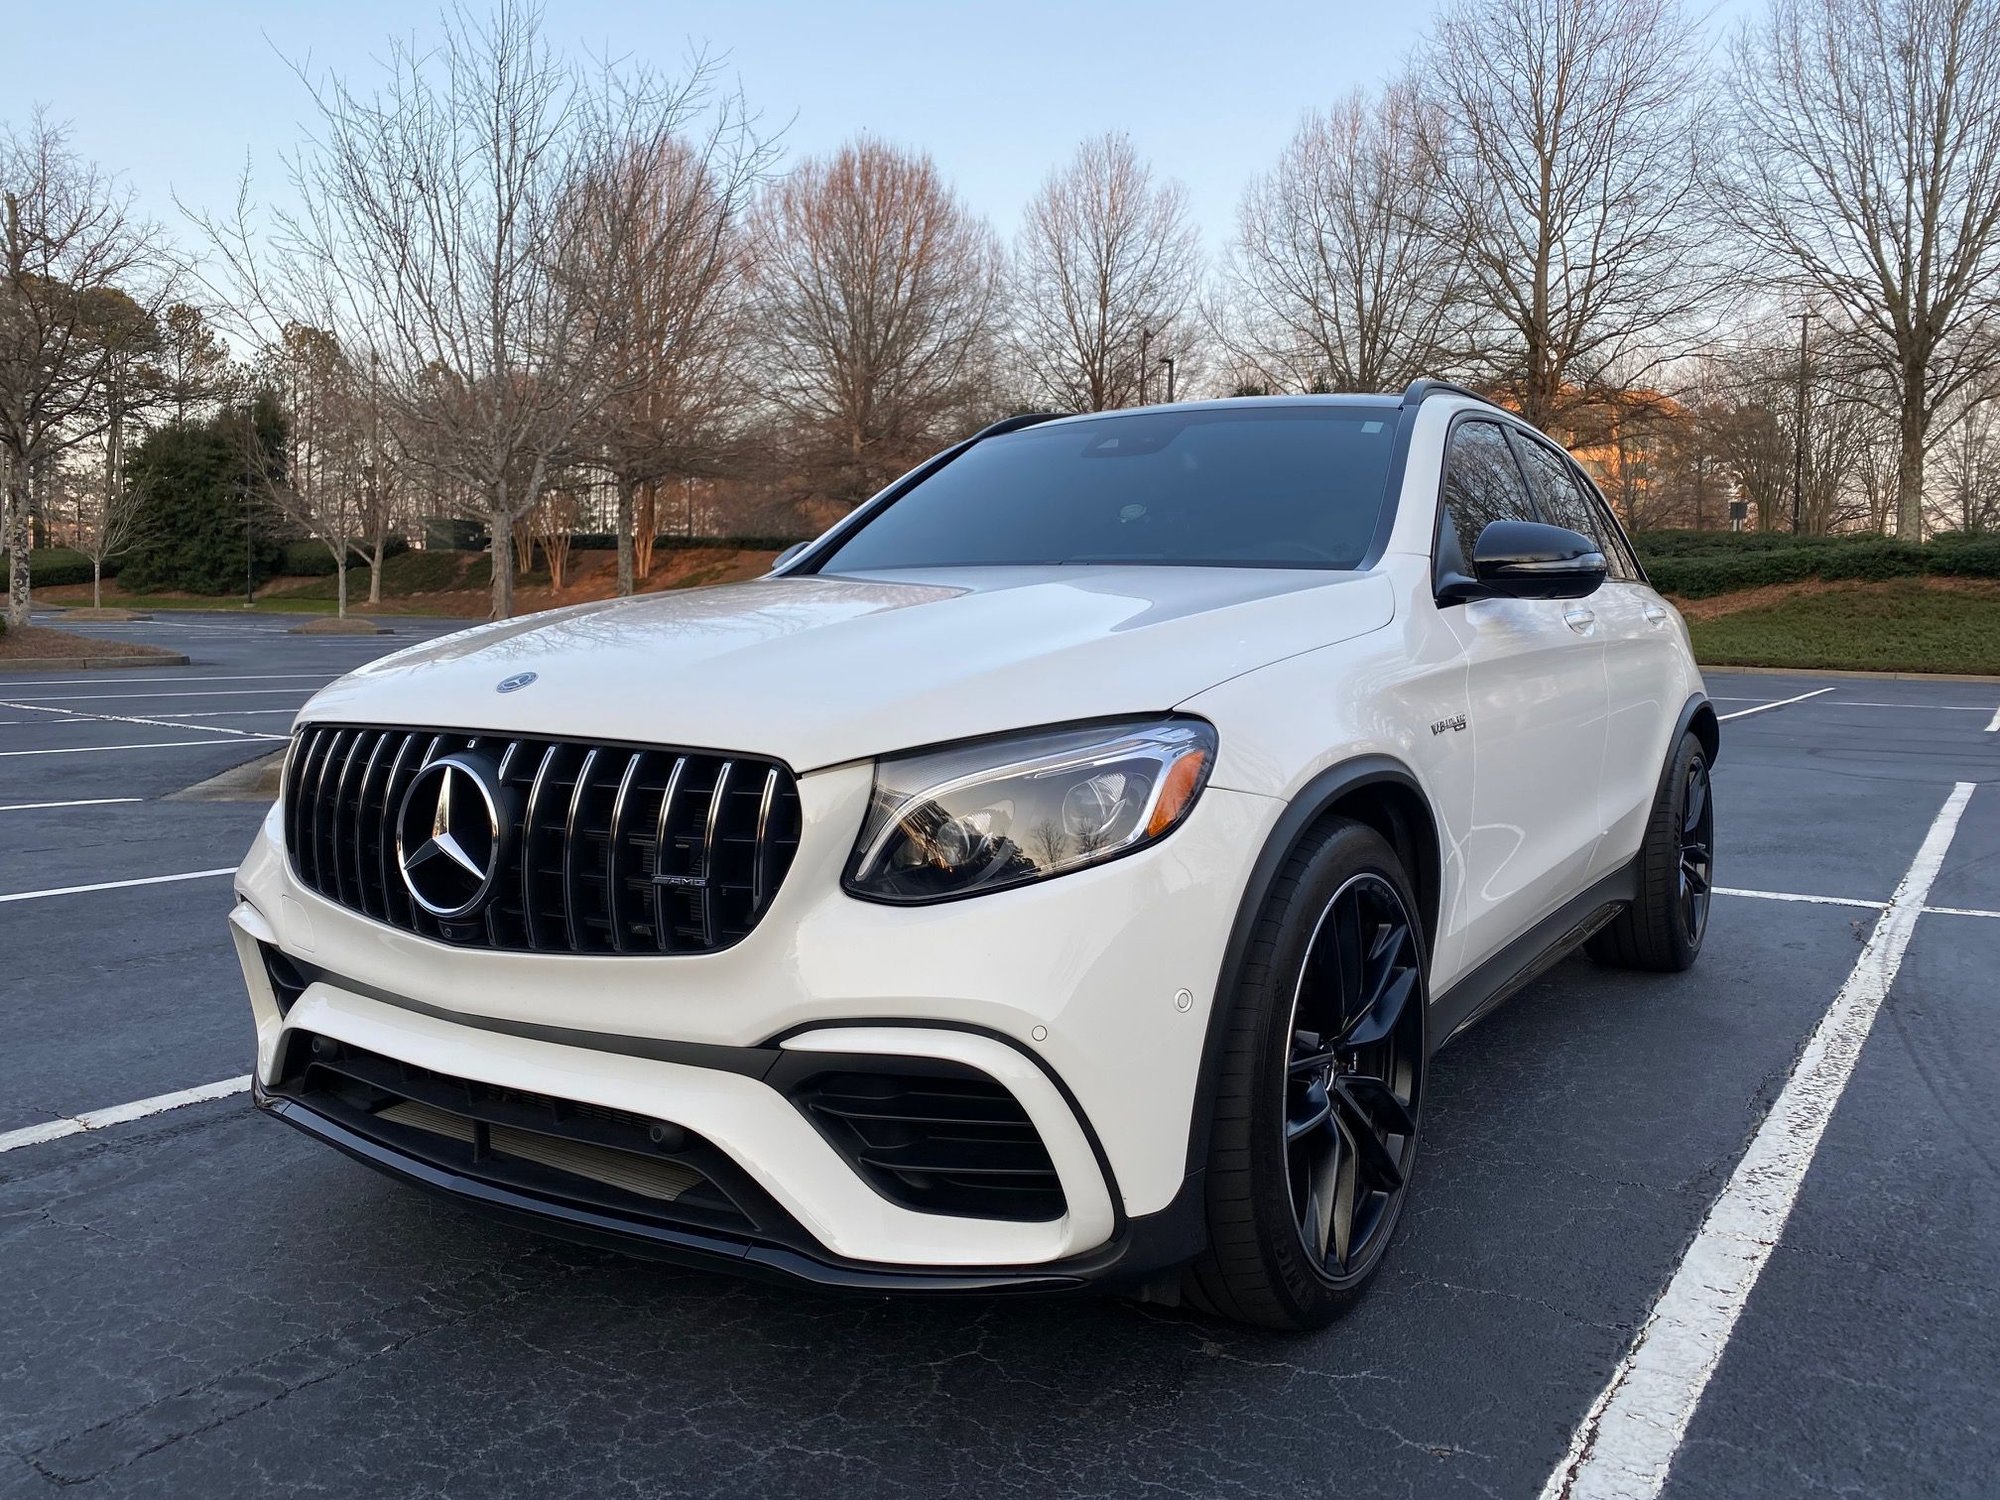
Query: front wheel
x,y
1320,1092
1662,929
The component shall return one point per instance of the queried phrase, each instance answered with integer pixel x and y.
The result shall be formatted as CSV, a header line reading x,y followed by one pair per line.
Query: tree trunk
x,y
340,589
625,512
375,571
17,573
503,567
1910,464
96,583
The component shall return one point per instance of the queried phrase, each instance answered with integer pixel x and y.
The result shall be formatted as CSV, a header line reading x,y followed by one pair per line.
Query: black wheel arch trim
x,y
1313,802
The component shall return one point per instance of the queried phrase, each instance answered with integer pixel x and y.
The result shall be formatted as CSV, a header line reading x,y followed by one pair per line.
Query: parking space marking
x,y
149,745
119,1114
205,693
94,681
1723,890
1627,1441
85,716
1994,727
114,885
80,802
1743,713
1958,911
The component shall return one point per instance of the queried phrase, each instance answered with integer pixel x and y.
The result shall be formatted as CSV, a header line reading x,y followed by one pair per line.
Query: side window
x,y
1567,501
1624,561
1481,484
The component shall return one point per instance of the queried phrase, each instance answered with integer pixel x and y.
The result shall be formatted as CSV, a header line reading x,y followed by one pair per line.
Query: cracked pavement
x,y
204,1303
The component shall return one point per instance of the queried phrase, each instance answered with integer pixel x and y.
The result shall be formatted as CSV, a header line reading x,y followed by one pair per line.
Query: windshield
x,y
1261,486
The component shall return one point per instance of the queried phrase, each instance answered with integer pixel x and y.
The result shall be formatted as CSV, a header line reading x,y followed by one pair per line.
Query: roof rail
x,y
1418,391
1014,424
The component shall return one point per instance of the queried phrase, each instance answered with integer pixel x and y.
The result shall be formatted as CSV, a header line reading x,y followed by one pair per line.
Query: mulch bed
x,y
39,643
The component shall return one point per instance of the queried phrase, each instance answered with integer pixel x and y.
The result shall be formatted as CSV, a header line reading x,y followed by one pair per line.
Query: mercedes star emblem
x,y
448,836
515,683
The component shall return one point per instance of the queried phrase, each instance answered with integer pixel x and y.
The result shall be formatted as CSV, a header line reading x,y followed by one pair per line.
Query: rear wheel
x,y
1663,929
1319,1099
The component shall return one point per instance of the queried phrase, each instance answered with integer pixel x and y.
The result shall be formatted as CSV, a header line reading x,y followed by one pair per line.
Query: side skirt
x,y
1547,943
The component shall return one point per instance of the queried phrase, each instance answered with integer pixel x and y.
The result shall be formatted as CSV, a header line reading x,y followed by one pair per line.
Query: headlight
x,y
980,817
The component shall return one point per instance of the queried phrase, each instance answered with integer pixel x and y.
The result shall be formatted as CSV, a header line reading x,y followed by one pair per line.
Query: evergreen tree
x,y
202,488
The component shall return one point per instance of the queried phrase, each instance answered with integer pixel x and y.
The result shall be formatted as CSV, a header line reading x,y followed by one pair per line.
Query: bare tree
x,y
439,230
667,264
192,364
77,271
1336,281
1867,163
1105,271
1970,461
1566,174
875,294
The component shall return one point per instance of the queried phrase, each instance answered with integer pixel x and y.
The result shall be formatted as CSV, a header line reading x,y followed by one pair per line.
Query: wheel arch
x,y
1377,791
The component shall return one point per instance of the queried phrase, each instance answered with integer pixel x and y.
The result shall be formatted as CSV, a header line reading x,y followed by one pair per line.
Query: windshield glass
x,y
1261,486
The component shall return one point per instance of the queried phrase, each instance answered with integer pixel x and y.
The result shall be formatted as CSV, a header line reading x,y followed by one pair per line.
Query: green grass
x,y
1901,627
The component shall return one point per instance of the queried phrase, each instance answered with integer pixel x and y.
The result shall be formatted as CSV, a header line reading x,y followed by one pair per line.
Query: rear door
x,y
1643,662
1536,712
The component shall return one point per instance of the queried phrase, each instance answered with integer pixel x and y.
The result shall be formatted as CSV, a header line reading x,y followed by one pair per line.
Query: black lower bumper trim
x,y
690,1247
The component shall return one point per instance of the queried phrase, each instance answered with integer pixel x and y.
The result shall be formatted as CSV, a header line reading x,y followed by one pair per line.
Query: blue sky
x,y
174,95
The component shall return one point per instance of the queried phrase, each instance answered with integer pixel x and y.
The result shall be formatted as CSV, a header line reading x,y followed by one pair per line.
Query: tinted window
x,y
1624,562
1256,487
1568,501
1481,485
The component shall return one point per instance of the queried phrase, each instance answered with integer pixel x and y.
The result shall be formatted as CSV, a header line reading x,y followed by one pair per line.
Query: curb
x,y
90,663
1709,666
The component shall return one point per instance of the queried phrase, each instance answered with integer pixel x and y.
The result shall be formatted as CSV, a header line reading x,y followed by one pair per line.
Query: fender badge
x,y
1456,721
515,683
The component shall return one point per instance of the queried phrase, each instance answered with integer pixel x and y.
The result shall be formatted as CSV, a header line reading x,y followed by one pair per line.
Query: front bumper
x,y
1067,993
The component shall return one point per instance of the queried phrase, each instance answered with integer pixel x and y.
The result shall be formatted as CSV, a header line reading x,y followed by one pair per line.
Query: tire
x,y
1319,1097
1662,930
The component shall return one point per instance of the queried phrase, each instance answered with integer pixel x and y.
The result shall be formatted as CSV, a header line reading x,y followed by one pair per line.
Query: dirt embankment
x,y
1777,593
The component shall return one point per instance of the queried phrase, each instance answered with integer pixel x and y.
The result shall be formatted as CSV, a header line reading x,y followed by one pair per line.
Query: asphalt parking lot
x,y
197,1301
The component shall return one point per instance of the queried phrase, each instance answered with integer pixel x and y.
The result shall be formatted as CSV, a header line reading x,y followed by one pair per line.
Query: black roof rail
x,y
1015,423
1418,391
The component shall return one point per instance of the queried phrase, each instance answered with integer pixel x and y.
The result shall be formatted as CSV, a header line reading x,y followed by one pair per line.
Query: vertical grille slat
x,y
609,848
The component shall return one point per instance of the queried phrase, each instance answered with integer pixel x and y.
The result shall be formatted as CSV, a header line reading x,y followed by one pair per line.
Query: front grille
x,y
611,849
946,1140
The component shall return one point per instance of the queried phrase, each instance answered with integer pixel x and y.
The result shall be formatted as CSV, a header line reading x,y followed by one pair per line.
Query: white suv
x,y
1059,873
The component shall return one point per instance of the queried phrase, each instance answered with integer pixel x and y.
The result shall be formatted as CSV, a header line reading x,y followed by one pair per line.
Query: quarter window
x,y
1566,501
1481,485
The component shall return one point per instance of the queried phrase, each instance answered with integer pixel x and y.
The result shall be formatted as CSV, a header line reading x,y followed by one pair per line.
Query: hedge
x,y
52,567
1697,565
314,559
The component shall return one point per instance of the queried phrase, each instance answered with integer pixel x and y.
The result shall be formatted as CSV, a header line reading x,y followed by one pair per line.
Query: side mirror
x,y
787,555
1527,560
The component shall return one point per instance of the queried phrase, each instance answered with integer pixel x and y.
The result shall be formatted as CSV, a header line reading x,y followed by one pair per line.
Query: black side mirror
x,y
1527,560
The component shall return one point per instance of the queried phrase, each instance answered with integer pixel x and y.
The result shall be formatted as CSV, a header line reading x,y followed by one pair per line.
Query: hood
x,y
817,671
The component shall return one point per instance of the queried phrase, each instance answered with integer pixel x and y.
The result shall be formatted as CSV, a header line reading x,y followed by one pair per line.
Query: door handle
x,y
1655,615
1579,620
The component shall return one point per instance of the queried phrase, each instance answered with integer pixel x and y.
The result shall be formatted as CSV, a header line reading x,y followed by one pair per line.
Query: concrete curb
x,y
1709,666
90,663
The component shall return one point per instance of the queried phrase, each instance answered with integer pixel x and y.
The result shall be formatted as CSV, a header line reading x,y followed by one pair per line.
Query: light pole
x,y
1145,340
1799,447
1168,361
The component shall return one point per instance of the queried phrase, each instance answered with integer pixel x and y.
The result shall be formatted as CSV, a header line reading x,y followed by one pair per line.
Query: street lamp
x,y
1168,361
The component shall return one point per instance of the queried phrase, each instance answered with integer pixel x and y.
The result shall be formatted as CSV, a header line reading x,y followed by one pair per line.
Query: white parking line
x,y
80,802
1627,1441
1723,890
1958,911
1743,713
1994,727
200,713
1943,708
149,745
94,681
88,717
119,1114
114,885
206,693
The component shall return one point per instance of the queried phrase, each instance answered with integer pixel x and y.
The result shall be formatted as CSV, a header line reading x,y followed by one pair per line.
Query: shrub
x,y
52,567
308,558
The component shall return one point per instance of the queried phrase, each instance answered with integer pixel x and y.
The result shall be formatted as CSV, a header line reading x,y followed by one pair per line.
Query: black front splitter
x,y
712,1252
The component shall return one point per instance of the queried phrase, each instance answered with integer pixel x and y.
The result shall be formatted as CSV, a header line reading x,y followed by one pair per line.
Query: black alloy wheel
x,y
1353,1077
1312,1133
1697,822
